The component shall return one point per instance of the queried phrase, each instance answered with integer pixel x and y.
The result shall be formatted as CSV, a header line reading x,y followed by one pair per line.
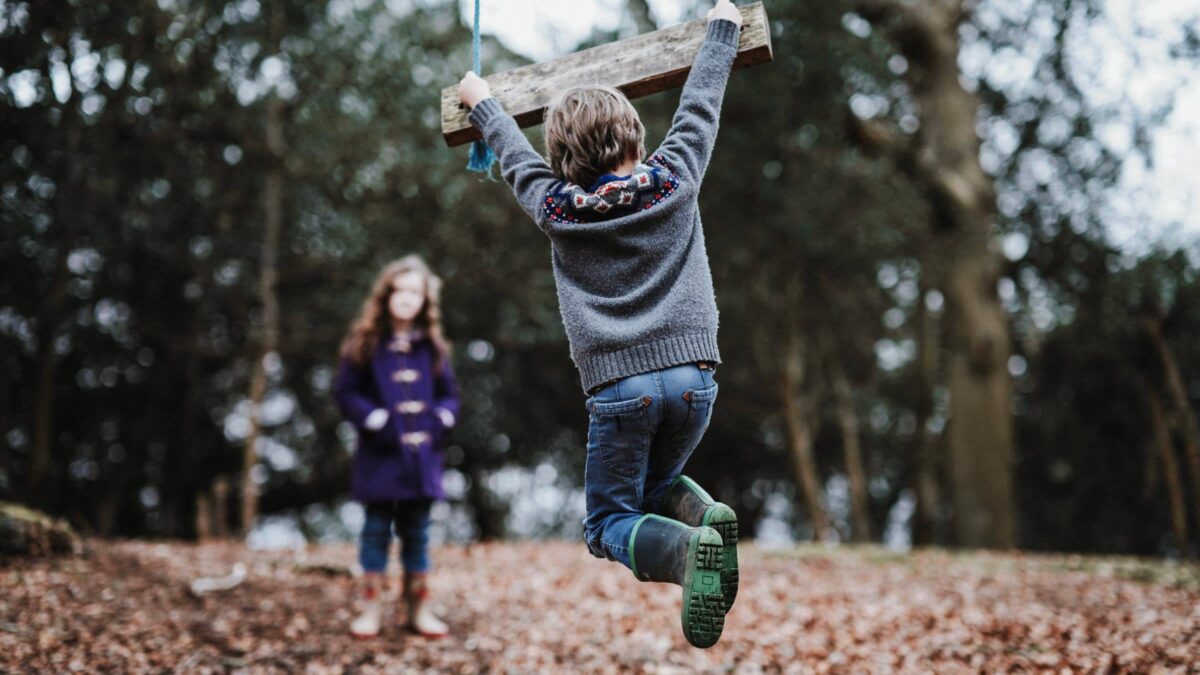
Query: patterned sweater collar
x,y
612,196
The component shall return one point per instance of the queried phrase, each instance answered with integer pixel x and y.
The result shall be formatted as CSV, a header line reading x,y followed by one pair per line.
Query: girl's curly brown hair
x,y
374,320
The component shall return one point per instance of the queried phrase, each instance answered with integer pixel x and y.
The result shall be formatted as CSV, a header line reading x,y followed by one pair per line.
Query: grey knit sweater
x,y
634,287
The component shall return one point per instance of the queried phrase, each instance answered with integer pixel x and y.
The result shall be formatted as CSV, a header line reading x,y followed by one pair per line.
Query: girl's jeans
x,y
641,431
411,520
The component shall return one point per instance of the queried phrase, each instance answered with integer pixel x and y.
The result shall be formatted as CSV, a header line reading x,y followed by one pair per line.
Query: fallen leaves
x,y
551,607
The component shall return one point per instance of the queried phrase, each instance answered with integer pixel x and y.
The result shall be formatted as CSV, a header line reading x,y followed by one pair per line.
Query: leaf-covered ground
x,y
550,607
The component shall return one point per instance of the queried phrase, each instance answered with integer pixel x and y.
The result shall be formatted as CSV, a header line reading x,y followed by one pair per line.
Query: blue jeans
x,y
641,431
411,520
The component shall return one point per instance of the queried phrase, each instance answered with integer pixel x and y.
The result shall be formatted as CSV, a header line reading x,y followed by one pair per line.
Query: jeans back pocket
x,y
622,434
700,409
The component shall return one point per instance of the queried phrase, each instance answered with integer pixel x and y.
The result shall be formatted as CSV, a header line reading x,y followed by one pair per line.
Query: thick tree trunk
x,y
980,430
945,162
852,447
798,405
1166,456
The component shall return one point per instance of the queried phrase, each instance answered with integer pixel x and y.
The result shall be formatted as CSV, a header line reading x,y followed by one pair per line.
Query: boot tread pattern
x,y
709,556
704,602
706,619
728,531
729,572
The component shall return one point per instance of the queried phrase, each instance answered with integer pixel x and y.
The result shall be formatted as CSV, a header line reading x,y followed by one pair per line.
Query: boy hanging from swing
x,y
637,302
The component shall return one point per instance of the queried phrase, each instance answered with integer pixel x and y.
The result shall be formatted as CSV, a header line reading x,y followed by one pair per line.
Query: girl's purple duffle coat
x,y
403,460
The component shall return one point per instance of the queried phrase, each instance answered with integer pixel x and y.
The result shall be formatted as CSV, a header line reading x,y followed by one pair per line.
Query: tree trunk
x,y
980,428
39,461
490,513
110,505
945,163
268,279
798,407
220,507
8,371
203,516
925,462
1166,455
53,306
851,445
273,211
1183,413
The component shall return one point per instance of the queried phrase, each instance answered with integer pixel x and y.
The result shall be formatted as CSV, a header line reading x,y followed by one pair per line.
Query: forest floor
x,y
548,607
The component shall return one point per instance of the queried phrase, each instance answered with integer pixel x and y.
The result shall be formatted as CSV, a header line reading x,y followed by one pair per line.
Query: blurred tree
x,y
1072,296
138,170
273,207
943,160
799,222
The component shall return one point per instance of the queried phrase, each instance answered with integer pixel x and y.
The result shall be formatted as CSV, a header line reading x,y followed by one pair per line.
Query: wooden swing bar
x,y
638,66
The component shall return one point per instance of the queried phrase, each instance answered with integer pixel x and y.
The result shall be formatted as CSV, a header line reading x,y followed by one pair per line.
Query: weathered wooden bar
x,y
638,66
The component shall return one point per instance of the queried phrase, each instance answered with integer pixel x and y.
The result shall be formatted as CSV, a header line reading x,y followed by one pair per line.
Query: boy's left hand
x,y
472,89
726,10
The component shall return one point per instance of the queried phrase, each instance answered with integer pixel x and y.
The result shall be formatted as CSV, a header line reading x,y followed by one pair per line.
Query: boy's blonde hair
x,y
591,130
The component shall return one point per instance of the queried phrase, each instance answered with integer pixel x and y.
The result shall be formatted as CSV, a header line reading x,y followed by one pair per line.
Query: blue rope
x,y
477,40
482,157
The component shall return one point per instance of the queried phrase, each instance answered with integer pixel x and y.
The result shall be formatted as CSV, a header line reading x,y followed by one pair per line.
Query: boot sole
x,y
703,615
722,519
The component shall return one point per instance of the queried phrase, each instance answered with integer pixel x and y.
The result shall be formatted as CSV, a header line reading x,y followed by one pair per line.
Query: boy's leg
x,y
689,396
622,419
691,393
372,556
412,526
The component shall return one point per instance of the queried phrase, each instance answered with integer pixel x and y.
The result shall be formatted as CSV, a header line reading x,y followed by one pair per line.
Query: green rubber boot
x,y
661,549
688,503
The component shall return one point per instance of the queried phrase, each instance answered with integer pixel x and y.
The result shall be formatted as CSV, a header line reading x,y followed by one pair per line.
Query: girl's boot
x,y
688,503
421,618
661,549
368,623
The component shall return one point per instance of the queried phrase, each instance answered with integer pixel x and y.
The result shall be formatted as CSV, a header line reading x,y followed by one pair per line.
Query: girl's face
x,y
408,296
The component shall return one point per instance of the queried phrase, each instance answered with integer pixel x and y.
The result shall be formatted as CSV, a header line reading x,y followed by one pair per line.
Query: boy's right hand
x,y
473,89
727,11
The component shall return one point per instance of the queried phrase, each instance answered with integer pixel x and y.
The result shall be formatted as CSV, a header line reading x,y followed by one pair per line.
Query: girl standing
x,y
395,385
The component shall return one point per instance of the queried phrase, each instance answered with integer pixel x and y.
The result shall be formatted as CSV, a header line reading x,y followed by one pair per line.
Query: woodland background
x,y
932,334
